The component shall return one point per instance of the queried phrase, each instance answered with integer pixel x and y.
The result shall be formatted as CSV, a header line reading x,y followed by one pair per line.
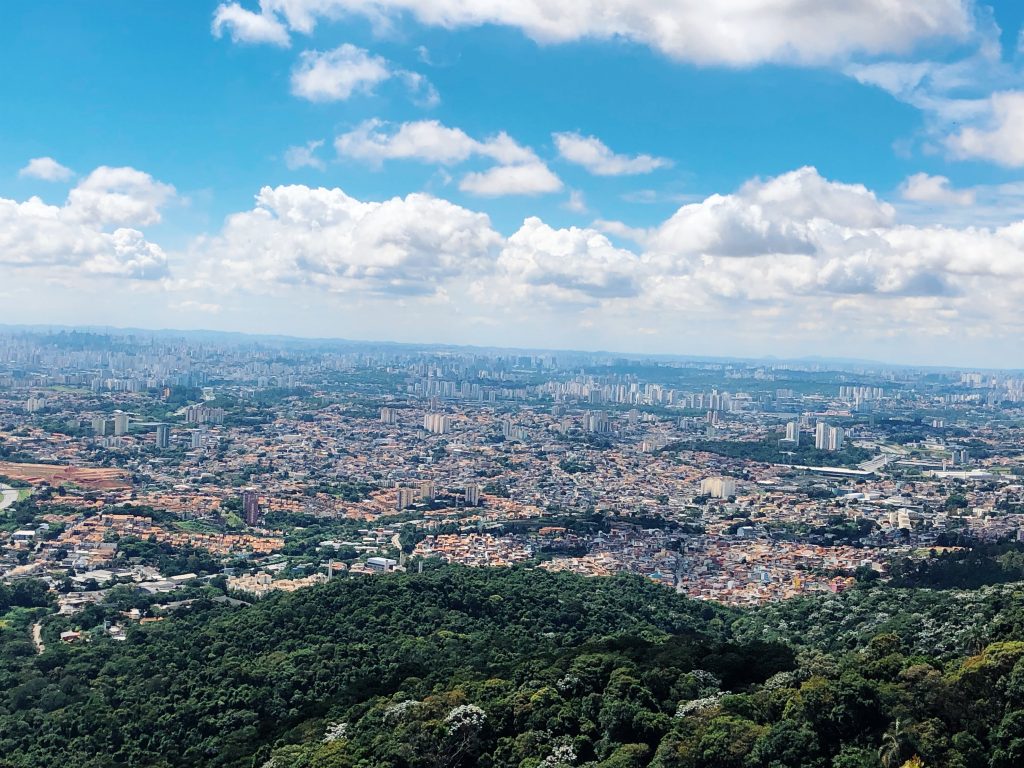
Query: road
x,y
8,496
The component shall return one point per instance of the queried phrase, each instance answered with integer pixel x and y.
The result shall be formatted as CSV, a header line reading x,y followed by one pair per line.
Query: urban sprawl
x,y
159,461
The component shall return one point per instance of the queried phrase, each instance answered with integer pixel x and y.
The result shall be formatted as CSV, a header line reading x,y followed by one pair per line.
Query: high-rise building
x,y
427,491
101,426
598,421
388,416
718,487
198,438
120,423
35,404
793,432
406,497
828,438
437,423
472,495
163,436
250,506
821,435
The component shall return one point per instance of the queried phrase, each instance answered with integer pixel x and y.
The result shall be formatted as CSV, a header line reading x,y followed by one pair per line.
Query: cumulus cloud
x,y
565,266
425,140
36,235
428,141
782,215
797,251
1000,139
304,156
596,157
532,178
91,234
245,26
520,171
323,237
923,188
118,196
335,75
45,169
799,235
729,32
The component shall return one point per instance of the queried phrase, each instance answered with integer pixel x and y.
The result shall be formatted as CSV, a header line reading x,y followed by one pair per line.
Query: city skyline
x,y
278,339
839,184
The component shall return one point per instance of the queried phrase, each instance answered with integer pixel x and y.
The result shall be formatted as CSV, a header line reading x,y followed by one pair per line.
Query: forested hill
x,y
526,669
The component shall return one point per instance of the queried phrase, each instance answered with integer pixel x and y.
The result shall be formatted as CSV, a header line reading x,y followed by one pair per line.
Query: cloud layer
x,y
796,252
730,32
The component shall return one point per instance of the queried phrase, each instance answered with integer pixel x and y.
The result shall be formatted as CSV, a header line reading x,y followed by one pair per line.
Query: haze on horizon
x,y
842,183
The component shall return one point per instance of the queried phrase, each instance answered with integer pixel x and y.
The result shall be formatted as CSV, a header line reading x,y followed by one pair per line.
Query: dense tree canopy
x,y
527,669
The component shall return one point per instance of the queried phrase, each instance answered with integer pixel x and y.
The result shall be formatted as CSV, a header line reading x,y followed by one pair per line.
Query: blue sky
x,y
595,175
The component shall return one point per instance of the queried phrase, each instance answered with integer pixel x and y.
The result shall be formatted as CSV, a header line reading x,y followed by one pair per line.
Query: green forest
x,y
526,669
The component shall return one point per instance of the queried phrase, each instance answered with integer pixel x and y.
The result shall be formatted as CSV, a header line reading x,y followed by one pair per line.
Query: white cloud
x,y
36,235
540,264
782,215
335,75
520,171
428,141
304,156
527,179
1001,140
729,32
923,188
596,157
576,203
786,259
46,169
247,27
191,305
423,92
118,196
323,237
425,140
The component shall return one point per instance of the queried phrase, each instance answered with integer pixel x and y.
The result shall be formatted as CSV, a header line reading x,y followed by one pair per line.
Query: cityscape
x,y
158,460
512,384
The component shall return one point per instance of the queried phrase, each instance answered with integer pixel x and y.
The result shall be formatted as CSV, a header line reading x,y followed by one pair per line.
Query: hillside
x,y
460,667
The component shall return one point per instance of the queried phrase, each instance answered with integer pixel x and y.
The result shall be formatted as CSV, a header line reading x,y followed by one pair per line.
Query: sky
x,y
741,178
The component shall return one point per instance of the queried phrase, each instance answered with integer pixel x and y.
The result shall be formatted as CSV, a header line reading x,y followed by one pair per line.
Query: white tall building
x,y
827,438
120,423
821,435
718,487
793,432
437,423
